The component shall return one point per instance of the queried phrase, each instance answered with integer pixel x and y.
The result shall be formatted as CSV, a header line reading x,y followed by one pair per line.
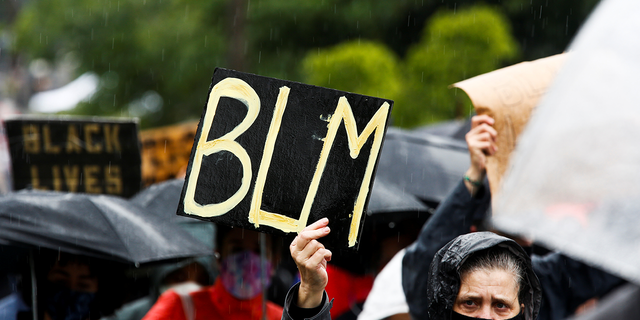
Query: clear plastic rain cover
x,y
574,180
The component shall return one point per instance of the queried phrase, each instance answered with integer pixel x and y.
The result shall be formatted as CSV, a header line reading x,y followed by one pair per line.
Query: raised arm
x,y
308,299
465,204
481,141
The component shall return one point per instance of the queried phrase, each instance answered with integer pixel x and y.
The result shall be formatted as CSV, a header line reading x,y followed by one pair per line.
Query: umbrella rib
x,y
115,231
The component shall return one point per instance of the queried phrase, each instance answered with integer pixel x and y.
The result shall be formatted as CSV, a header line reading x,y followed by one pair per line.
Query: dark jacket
x,y
444,280
565,283
291,312
622,303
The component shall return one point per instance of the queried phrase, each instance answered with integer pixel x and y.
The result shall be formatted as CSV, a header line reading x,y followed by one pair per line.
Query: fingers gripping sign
x,y
311,257
481,141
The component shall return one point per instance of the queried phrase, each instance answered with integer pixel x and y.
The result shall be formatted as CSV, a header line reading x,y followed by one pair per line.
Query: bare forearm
x,y
309,297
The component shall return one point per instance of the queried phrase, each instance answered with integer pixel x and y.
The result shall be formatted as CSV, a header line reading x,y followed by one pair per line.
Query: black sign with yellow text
x,y
93,155
277,155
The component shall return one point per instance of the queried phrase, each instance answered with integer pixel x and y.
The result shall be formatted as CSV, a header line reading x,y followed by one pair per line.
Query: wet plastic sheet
x,y
574,183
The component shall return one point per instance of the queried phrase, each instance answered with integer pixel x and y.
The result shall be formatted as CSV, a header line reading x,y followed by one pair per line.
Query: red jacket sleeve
x,y
168,307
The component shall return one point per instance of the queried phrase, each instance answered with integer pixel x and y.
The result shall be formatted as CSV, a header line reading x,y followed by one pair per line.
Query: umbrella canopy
x,y
101,226
162,199
574,183
387,197
422,165
455,129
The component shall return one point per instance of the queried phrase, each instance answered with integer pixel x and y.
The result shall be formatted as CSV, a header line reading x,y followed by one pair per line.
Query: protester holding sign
x,y
565,283
468,276
271,155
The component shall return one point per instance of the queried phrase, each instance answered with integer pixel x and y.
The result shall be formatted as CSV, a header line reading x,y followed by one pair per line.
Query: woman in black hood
x,y
482,275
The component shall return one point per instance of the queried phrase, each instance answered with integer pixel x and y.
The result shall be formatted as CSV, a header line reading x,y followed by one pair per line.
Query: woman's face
x,y
488,294
238,240
74,276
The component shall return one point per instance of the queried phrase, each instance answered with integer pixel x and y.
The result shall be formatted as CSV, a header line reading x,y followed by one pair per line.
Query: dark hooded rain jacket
x,y
444,277
566,283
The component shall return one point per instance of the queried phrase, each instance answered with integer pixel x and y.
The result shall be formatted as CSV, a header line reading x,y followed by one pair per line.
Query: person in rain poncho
x,y
565,283
484,276
479,275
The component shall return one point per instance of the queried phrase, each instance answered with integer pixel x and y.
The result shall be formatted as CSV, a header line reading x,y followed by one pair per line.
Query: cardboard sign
x,y
166,151
276,155
89,155
509,95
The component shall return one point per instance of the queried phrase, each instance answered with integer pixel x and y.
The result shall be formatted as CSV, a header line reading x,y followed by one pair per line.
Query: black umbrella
x,y
455,129
389,204
101,226
422,165
161,199
387,197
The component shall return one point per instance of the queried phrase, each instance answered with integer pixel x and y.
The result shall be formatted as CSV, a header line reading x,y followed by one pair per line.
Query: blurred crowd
x,y
248,274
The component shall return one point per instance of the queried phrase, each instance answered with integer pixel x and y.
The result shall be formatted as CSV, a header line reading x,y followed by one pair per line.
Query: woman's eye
x,y
501,305
469,303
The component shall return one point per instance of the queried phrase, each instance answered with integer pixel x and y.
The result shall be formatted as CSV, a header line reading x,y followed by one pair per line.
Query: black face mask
x,y
457,316
64,304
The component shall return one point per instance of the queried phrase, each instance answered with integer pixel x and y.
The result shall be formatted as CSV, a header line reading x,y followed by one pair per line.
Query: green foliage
x,y
283,31
454,46
363,67
171,47
137,47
